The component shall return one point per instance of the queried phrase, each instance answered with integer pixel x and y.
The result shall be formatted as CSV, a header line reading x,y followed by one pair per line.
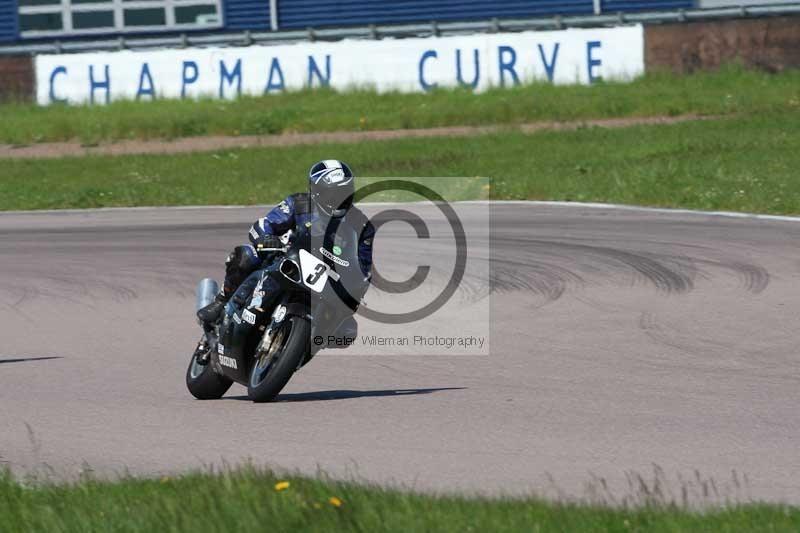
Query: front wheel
x,y
277,360
203,382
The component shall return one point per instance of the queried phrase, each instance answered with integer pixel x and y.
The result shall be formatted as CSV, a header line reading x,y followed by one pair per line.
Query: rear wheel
x,y
203,382
277,360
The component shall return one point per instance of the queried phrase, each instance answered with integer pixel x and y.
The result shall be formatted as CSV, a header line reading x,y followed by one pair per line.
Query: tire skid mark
x,y
80,287
18,296
673,336
699,352
549,281
668,274
50,293
120,291
26,293
659,334
752,278
472,289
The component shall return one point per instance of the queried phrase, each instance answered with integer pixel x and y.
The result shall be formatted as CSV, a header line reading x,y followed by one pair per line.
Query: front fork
x,y
208,343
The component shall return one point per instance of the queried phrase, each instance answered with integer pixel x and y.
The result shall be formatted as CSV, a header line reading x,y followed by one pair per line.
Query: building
x,y
32,21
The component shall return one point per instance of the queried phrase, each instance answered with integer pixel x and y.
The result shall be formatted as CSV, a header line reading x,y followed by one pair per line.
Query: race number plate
x,y
314,271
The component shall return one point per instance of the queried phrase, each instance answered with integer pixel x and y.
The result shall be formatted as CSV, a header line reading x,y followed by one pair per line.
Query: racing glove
x,y
268,243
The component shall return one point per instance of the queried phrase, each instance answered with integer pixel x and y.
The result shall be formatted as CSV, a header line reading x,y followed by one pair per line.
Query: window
x,y
39,2
41,22
145,17
44,18
195,14
86,20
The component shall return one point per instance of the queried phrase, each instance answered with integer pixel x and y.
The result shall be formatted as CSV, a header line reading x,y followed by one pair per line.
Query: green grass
x,y
740,163
731,90
247,500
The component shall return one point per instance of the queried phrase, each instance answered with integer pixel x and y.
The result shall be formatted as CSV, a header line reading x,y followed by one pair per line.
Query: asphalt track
x,y
620,340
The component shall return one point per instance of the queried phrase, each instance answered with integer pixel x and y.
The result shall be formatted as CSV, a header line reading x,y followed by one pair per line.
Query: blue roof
x,y
611,6
297,14
247,14
8,20
321,13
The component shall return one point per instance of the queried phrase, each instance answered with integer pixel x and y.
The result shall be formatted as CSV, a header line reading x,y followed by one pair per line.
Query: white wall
x,y
568,56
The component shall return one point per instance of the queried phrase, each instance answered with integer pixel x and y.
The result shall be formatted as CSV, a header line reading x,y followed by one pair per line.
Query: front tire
x,y
204,383
276,364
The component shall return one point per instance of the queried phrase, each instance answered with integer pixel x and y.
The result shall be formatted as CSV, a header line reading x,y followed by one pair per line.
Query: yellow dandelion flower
x,y
336,502
281,485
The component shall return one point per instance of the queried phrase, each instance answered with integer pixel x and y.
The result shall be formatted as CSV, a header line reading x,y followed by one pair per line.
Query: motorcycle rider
x,y
331,185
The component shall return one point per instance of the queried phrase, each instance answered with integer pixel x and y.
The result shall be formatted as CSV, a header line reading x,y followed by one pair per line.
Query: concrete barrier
x,y
479,61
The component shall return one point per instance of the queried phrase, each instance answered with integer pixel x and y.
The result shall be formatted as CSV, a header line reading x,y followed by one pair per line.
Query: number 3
x,y
314,276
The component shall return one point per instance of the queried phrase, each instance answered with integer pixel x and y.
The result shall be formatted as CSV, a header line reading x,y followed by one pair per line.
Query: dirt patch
x,y
212,143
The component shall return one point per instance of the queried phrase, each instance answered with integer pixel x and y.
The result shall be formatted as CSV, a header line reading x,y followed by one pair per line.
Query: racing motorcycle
x,y
261,343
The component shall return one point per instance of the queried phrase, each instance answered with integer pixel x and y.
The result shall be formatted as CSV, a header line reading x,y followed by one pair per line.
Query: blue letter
x,y
145,75
99,84
425,85
188,80
224,76
591,61
550,67
507,66
313,69
275,68
474,82
56,72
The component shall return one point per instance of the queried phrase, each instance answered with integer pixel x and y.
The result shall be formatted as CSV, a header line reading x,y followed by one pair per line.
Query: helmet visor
x,y
335,201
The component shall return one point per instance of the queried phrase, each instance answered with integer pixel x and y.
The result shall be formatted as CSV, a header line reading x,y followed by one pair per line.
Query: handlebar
x,y
260,249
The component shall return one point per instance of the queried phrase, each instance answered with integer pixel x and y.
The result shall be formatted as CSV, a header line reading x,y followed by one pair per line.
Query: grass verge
x,y
252,500
739,164
732,90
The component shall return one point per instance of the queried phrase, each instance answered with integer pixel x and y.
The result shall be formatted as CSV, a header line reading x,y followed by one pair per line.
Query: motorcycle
x,y
263,341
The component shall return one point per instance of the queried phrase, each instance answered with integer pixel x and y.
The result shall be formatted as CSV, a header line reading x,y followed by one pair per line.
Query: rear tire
x,y
267,381
204,383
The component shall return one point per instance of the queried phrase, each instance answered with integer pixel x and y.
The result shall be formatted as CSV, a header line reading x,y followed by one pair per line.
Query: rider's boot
x,y
211,313
241,262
